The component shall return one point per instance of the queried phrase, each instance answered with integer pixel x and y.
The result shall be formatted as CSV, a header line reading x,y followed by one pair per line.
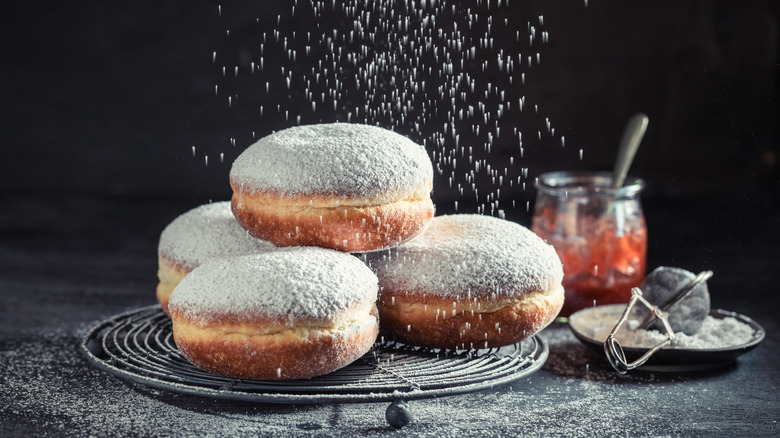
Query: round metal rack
x,y
138,346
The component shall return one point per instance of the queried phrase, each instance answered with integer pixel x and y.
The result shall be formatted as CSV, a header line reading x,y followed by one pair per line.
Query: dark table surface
x,y
67,263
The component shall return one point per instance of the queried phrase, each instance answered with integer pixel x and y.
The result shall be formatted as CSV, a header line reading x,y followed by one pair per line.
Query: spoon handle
x,y
632,136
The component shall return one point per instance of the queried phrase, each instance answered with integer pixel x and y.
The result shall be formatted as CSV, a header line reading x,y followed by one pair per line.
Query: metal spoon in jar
x,y
632,136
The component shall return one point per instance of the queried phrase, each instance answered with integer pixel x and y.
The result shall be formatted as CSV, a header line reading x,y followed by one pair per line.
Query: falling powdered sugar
x,y
468,255
207,232
292,283
336,159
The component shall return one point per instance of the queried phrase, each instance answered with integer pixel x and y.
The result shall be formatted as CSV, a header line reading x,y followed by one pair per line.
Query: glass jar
x,y
598,231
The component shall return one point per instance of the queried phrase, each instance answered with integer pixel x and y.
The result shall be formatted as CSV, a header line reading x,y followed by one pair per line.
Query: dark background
x,y
104,102
107,99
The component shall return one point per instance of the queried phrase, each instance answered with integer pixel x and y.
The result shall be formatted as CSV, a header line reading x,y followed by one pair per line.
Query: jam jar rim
x,y
571,184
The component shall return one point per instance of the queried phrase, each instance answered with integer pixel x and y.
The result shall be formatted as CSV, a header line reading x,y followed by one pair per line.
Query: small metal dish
x,y
667,359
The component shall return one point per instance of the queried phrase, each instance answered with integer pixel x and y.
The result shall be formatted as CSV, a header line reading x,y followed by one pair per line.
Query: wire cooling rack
x,y
138,346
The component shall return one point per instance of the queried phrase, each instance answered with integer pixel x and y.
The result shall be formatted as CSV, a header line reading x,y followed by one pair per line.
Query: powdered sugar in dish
x,y
336,159
295,282
468,253
207,232
715,333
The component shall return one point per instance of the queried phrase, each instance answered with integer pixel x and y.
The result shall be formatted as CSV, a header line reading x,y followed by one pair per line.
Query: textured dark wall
x,y
108,99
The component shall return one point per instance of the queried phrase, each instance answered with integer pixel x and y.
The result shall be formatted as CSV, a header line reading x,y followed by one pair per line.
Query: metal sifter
x,y
613,349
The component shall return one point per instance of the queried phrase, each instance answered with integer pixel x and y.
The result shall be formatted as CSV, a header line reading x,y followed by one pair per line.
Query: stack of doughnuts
x,y
264,287
332,238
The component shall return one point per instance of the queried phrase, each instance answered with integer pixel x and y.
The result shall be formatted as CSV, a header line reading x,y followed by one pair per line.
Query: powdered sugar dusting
x,y
207,232
296,282
464,254
51,390
338,159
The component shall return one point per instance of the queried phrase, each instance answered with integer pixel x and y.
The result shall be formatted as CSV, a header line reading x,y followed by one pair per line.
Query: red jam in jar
x,y
599,232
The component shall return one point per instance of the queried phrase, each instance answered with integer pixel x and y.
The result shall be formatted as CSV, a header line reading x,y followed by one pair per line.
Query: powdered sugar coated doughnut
x,y
283,314
468,281
350,187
